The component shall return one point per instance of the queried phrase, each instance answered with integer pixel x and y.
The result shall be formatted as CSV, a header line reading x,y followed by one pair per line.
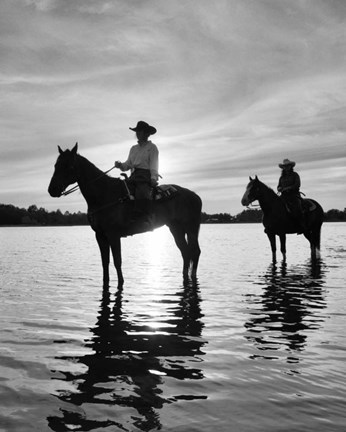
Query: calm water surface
x,y
251,347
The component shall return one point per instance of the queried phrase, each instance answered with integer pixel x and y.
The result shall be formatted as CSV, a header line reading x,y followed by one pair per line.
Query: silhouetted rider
x,y
143,163
289,187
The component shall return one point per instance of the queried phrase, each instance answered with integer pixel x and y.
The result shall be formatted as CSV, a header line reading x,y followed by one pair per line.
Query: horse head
x,y
64,171
252,191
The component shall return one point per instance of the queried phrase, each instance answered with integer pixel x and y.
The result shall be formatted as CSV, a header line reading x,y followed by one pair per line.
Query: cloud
x,y
232,87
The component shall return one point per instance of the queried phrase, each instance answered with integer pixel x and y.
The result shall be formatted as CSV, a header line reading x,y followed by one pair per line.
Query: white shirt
x,y
145,156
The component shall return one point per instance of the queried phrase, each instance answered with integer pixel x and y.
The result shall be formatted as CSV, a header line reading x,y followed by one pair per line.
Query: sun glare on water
x,y
158,247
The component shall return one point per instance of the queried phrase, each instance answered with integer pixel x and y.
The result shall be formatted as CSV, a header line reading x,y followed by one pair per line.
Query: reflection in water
x,y
288,306
125,373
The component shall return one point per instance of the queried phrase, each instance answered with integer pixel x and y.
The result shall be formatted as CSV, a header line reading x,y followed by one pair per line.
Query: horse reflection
x,y
129,364
289,305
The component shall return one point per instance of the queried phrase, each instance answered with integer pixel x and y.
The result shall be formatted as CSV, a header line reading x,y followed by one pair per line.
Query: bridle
x,y
119,200
251,204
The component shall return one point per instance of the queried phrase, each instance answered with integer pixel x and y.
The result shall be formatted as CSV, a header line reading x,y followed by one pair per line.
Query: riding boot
x,y
142,214
300,217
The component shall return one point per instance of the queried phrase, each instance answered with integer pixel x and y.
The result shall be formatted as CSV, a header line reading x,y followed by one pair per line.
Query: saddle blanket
x,y
308,205
163,192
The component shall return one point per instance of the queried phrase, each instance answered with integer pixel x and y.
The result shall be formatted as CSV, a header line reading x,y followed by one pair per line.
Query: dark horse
x,y
278,221
109,211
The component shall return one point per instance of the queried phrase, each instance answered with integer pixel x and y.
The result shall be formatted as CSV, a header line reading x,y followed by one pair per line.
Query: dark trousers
x,y
140,184
294,204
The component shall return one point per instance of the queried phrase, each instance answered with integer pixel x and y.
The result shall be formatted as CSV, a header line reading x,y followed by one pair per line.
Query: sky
x,y
232,86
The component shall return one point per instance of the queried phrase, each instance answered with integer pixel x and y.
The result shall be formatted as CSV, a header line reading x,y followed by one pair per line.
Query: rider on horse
x,y
143,163
289,185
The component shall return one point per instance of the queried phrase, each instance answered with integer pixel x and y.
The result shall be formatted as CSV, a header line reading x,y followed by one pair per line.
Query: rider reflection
x,y
289,306
129,363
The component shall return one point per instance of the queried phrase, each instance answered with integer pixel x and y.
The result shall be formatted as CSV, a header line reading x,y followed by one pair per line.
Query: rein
x,y
252,205
74,188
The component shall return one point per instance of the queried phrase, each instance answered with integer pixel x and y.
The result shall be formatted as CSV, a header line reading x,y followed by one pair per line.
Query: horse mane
x,y
266,191
97,172
87,162
268,188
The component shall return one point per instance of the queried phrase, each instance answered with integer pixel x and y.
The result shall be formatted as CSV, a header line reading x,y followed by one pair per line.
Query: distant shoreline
x,y
34,216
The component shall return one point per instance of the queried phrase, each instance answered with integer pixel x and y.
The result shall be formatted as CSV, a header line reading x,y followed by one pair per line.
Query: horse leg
x,y
272,240
314,238
317,236
104,249
283,245
194,251
116,252
180,240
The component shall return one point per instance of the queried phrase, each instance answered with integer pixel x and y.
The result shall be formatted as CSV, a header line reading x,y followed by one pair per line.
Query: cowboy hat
x,y
286,163
142,125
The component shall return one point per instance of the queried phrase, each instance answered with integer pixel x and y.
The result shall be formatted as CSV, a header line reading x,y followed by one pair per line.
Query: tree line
x,y
11,215
255,215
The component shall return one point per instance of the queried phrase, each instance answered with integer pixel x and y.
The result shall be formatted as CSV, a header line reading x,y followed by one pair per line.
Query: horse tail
x,y
321,214
195,213
184,223
317,220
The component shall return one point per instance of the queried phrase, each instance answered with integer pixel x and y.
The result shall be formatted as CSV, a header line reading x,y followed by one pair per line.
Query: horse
x,y
110,210
277,219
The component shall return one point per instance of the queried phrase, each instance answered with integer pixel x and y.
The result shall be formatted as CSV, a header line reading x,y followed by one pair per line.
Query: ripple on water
x,y
250,345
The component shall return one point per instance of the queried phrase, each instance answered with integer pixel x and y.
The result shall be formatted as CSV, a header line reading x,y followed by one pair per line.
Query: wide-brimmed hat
x,y
287,163
142,125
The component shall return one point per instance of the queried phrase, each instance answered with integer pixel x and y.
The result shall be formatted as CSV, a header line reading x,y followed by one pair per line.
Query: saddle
x,y
307,205
160,193
164,192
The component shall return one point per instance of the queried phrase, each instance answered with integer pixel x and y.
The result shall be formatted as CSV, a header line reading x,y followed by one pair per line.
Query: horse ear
x,y
60,151
256,178
75,148
250,178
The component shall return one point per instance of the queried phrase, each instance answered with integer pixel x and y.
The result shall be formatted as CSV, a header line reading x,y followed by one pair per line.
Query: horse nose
x,y
53,191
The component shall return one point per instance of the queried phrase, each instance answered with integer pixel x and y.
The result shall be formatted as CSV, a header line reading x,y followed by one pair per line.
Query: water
x,y
252,347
